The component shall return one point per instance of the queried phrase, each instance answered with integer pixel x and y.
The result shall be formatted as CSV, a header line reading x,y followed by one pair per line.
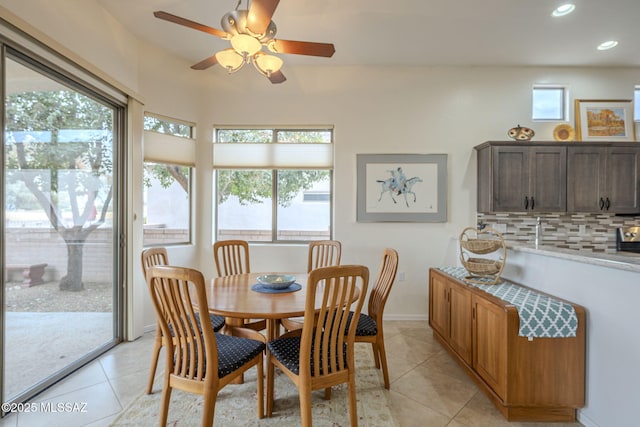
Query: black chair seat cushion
x,y
217,323
366,325
234,352
287,351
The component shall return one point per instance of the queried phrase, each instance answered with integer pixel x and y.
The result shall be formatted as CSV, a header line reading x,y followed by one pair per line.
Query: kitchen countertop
x,y
620,260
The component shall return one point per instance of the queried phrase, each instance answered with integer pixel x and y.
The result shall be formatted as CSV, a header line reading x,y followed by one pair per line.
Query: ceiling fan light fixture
x,y
267,64
230,60
245,45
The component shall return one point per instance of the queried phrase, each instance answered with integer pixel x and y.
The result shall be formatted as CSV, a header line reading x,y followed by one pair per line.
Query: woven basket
x,y
482,266
488,269
481,246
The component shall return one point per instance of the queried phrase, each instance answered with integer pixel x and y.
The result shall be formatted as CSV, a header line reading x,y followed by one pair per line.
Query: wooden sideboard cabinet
x,y
450,314
539,379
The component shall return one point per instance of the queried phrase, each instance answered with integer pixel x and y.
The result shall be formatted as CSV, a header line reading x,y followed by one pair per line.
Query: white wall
x,y
610,297
395,110
374,110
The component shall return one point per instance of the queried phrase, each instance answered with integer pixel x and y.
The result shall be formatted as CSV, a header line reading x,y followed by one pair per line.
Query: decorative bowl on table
x,y
276,281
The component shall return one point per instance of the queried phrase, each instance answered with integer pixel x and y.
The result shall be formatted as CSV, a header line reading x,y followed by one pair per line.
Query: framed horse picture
x,y
402,187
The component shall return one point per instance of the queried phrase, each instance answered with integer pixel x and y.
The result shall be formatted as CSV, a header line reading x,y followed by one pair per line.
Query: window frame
x,y
176,150
274,170
636,103
191,199
564,108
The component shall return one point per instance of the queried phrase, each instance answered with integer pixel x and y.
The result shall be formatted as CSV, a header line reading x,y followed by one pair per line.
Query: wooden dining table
x,y
232,297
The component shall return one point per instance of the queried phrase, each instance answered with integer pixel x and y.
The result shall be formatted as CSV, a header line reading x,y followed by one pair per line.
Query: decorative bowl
x,y
520,133
564,132
276,281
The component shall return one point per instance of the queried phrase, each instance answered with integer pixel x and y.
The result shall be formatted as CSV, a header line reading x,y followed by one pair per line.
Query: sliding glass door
x,y
60,251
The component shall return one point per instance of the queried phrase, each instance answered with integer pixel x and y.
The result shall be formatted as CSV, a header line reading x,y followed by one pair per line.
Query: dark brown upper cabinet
x,y
559,177
522,178
603,179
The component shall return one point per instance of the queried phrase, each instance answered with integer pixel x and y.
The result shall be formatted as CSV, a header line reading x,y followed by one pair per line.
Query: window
x,y
166,185
549,103
168,126
273,185
168,171
636,104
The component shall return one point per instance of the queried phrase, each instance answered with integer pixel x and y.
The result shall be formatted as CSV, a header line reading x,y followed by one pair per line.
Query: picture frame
x,y
401,187
604,120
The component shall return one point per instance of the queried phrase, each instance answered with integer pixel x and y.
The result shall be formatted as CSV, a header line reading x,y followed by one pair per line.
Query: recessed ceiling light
x,y
607,45
563,10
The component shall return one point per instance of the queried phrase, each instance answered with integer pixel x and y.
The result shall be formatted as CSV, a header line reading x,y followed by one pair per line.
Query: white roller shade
x,y
159,147
272,156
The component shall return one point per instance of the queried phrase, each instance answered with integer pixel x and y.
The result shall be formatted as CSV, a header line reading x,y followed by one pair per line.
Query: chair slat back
x,y
231,257
328,335
152,257
385,279
174,291
324,253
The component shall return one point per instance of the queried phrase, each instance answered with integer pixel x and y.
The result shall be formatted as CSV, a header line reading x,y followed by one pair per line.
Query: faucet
x,y
538,231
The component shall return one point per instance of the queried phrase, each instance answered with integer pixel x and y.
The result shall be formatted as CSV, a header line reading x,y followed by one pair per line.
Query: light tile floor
x,y
427,387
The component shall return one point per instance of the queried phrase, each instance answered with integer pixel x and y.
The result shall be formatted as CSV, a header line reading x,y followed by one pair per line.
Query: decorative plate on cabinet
x,y
564,132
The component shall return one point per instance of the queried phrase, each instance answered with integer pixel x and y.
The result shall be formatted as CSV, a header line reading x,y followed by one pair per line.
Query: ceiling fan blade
x,y
188,23
303,48
277,77
260,13
205,63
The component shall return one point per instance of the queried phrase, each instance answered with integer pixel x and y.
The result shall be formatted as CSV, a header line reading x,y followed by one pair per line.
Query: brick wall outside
x,y
26,245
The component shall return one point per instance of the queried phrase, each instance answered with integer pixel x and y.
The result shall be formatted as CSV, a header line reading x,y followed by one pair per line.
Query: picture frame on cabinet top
x,y
604,120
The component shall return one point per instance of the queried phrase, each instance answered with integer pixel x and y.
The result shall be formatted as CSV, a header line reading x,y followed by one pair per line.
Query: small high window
x,y
549,103
636,104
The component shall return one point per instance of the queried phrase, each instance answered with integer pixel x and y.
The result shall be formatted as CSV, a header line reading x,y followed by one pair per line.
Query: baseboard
x,y
586,421
149,328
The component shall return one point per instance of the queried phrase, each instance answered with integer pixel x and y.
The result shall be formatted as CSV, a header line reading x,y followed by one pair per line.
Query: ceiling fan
x,y
248,30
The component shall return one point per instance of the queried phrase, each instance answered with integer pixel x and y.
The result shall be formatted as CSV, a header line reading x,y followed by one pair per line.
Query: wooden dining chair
x,y
153,257
369,326
322,253
232,257
321,353
198,360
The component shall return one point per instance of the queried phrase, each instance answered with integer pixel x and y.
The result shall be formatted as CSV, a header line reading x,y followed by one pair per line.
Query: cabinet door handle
x,y
526,203
533,203
473,313
608,204
601,203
